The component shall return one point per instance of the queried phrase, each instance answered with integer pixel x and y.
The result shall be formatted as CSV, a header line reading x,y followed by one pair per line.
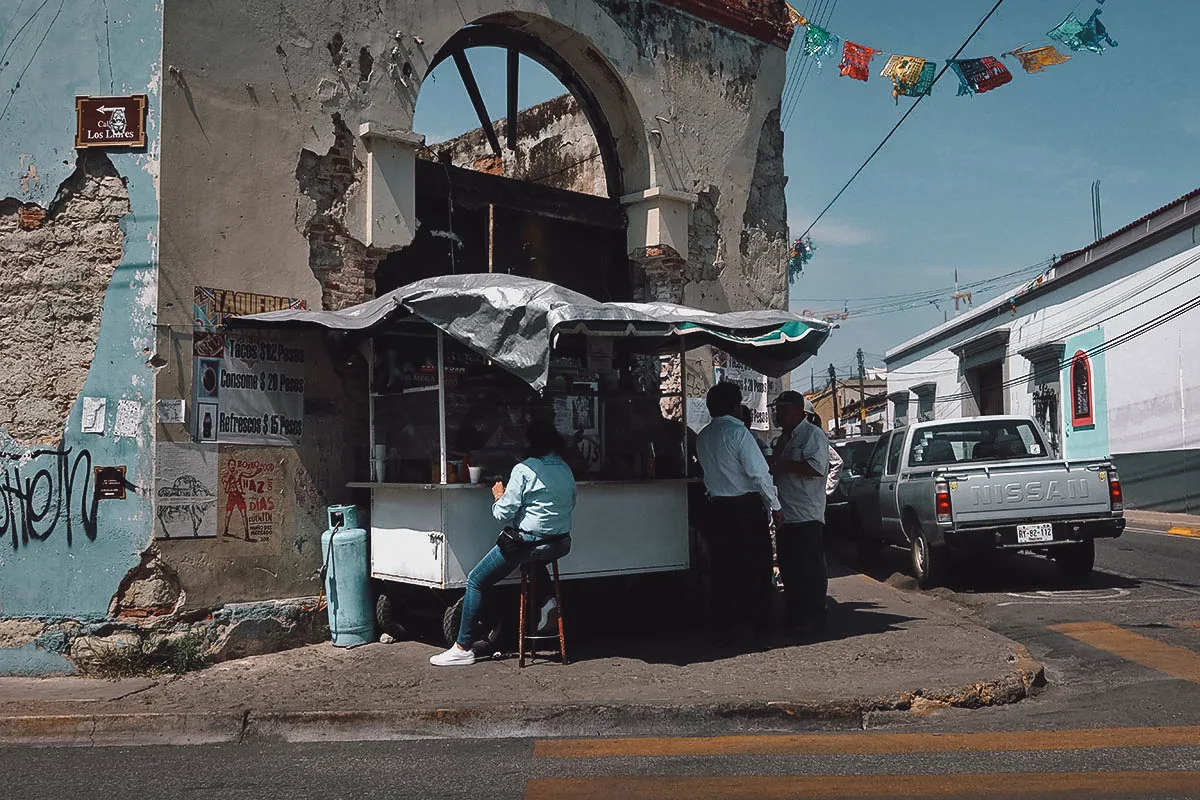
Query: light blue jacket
x,y
539,497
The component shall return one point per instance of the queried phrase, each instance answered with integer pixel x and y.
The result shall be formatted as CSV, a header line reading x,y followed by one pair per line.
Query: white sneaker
x,y
549,614
454,657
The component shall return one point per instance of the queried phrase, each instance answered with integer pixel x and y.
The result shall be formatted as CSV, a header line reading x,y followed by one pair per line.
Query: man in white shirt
x,y
802,467
736,529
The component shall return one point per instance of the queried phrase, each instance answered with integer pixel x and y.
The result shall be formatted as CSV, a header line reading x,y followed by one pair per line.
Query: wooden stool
x,y
529,600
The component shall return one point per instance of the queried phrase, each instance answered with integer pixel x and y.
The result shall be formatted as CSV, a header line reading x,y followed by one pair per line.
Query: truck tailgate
x,y
1031,491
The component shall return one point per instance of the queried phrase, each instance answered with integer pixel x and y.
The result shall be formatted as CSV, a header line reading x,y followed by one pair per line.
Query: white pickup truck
x,y
978,485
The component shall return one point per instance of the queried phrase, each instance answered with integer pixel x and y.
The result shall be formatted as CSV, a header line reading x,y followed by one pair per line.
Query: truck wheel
x,y
487,636
928,561
1075,561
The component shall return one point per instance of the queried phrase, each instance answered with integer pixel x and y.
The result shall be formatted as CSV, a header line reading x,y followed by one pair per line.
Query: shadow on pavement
x,y
994,572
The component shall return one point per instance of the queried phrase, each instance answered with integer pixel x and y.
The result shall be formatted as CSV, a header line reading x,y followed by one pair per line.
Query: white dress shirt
x,y
835,471
803,496
732,462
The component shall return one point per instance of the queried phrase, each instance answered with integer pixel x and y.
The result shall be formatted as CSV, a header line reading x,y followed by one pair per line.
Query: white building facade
x,y
1103,348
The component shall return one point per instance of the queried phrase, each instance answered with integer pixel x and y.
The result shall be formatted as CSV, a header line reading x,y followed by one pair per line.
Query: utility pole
x,y
862,395
959,295
837,423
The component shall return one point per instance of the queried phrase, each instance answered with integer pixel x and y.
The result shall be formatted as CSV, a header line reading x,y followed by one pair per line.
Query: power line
x,y
1131,334
901,120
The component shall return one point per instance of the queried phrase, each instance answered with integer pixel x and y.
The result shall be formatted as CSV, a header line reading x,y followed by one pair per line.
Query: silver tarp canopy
x,y
515,321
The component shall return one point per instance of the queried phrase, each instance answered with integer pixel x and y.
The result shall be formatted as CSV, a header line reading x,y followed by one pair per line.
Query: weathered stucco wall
x,y
264,171
78,306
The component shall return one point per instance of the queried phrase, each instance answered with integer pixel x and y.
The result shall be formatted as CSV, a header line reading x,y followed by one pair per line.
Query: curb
x,y
112,730
1180,531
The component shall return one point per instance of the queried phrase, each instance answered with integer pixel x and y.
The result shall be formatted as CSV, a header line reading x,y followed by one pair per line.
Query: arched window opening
x,y
1082,399
519,174
464,111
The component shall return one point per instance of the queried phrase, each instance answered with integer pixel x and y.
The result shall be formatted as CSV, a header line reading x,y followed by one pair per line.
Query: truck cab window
x,y
875,466
893,456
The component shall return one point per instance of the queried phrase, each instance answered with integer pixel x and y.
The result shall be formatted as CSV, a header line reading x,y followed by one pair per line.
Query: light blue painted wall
x,y
54,51
1091,441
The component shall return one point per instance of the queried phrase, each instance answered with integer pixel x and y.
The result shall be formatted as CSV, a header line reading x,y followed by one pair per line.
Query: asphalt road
x,y
1124,649
1153,763
1120,717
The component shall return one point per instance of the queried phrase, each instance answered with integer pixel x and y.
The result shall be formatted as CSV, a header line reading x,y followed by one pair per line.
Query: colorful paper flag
x,y
911,76
1038,58
795,17
978,75
820,43
1076,35
856,60
800,254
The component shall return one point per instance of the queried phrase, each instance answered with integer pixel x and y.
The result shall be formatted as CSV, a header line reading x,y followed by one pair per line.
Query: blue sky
x,y
984,184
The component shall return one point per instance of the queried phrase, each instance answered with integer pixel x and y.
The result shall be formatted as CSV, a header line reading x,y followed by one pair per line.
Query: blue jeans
x,y
493,568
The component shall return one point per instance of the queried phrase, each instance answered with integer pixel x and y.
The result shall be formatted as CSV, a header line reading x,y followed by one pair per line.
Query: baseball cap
x,y
791,397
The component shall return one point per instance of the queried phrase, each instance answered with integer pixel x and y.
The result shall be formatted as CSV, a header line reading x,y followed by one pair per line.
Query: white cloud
x,y
834,232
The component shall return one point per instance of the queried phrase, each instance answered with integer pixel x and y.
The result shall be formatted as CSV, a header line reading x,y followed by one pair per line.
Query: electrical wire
x,y
900,122
1133,333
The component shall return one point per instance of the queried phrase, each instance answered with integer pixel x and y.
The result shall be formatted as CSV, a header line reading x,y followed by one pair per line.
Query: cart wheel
x,y
389,611
487,635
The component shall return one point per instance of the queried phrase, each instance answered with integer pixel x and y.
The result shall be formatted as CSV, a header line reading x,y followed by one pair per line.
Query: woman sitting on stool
x,y
540,502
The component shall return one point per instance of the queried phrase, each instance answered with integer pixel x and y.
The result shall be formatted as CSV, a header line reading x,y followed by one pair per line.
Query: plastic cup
x,y
476,473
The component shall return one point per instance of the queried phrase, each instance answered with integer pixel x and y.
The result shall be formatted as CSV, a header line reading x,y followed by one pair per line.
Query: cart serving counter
x,y
460,363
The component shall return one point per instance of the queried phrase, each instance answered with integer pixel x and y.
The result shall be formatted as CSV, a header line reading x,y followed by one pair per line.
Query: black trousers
x,y
801,552
738,537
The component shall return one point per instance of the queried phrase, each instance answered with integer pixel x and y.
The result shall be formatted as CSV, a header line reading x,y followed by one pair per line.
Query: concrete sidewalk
x,y
892,650
1178,524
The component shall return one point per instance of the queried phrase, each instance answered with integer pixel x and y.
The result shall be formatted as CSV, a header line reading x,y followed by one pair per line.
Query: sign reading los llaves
x,y
248,386
110,121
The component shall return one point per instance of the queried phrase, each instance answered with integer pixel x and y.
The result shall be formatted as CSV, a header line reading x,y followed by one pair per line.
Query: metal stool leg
x,y
521,614
562,637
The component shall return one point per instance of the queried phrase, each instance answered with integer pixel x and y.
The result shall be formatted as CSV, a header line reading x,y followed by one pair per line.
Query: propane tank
x,y
347,578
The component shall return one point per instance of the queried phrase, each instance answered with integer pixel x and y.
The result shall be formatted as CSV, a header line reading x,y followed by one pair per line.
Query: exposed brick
x,y
52,292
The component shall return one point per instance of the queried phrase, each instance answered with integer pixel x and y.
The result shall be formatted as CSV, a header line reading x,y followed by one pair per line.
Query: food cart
x,y
459,364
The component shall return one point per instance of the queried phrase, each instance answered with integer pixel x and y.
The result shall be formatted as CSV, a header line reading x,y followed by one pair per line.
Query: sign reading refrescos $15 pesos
x,y
249,386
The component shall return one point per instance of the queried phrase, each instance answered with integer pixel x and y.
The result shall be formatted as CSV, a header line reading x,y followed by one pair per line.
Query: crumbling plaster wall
x,y
62,553
255,91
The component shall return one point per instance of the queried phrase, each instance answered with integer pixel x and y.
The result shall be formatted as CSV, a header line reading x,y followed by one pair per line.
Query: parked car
x,y
855,452
979,485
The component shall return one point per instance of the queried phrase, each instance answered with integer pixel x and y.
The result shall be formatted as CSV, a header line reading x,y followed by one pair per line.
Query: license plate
x,y
1041,532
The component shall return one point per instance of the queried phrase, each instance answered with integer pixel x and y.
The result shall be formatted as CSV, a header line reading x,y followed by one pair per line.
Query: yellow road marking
x,y
869,743
1028,784
1178,662
1178,531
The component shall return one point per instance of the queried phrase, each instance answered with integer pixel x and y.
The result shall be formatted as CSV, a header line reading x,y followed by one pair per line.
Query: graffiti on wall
x,y
41,492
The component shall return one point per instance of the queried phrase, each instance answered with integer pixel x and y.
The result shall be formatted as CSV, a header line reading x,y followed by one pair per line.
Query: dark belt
x,y
739,499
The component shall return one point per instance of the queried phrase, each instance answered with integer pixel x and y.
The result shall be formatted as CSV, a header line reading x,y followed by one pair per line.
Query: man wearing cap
x,y
801,466
740,493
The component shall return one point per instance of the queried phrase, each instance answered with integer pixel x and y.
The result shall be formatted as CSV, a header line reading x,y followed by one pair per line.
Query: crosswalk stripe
x,y
1178,662
869,743
730,787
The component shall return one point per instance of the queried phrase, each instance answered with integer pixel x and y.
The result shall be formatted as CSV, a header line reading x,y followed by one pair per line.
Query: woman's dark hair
x,y
543,439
